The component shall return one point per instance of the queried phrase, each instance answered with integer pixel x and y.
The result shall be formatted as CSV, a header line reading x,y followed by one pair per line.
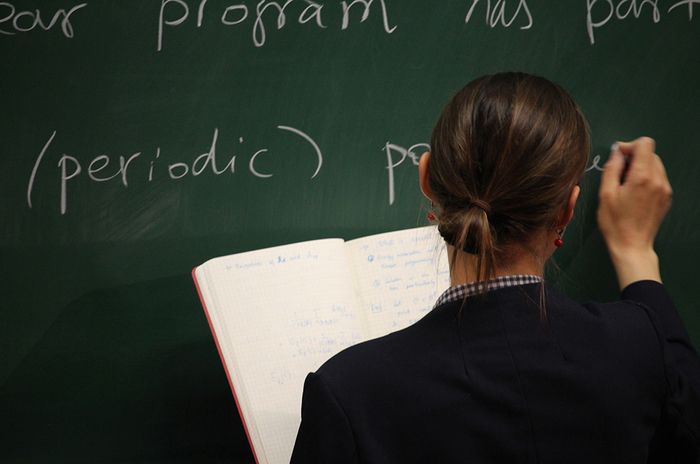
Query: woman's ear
x,y
423,169
570,206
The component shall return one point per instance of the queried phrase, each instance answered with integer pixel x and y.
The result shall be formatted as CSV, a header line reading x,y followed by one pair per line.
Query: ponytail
x,y
469,230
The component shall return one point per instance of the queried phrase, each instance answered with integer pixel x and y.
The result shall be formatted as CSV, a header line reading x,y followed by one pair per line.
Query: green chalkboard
x,y
141,138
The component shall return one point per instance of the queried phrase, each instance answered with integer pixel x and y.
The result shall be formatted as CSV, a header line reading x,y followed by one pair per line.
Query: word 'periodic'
x,y
145,167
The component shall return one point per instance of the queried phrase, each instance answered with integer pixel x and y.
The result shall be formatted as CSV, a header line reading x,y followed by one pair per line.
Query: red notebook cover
x,y
223,361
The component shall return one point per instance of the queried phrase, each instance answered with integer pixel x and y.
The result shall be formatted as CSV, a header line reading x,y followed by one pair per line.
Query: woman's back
x,y
490,382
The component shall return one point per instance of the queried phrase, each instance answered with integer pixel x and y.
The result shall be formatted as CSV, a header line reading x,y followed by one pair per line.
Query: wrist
x,y
632,265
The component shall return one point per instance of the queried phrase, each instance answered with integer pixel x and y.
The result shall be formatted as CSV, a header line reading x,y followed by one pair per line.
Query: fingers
x,y
612,173
642,162
659,168
640,145
641,151
664,184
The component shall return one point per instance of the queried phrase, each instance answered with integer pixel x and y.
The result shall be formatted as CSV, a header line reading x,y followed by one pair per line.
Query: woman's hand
x,y
634,196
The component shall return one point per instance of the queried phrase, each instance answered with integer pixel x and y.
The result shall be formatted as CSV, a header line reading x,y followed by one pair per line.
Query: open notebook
x,y
278,313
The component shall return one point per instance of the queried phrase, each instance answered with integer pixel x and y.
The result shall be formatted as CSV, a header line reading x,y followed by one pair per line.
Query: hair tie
x,y
481,204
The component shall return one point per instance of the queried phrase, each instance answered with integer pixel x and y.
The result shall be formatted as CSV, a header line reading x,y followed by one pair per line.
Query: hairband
x,y
481,204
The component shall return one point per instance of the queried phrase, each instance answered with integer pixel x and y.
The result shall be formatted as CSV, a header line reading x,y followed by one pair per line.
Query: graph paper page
x,y
399,276
286,310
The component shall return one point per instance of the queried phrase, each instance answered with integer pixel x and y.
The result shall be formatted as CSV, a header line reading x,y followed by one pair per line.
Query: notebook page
x,y
281,312
213,315
399,276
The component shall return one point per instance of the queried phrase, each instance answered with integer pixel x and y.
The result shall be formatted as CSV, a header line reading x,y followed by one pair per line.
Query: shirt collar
x,y
462,291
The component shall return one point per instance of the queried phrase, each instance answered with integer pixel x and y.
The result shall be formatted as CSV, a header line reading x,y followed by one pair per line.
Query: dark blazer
x,y
490,382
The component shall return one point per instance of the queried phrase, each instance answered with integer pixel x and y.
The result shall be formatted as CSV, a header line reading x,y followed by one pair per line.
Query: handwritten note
x,y
400,275
281,312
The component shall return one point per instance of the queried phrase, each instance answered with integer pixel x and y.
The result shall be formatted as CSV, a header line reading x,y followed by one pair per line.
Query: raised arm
x,y
635,196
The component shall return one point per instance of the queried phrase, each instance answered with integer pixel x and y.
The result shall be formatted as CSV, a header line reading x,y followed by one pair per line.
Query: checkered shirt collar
x,y
461,291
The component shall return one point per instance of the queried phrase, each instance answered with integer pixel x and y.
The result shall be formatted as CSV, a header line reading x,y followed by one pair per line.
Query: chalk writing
x,y
607,11
392,161
688,3
595,165
26,21
496,14
397,155
104,168
174,13
263,16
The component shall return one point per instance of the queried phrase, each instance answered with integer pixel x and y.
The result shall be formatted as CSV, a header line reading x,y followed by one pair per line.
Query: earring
x,y
559,242
431,215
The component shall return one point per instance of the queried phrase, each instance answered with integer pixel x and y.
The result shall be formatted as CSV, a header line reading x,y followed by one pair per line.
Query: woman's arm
x,y
635,195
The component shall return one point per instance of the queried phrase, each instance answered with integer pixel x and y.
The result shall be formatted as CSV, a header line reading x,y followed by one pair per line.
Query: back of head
x,y
506,153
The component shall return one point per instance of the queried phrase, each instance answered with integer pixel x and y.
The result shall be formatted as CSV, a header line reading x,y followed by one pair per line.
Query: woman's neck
x,y
521,261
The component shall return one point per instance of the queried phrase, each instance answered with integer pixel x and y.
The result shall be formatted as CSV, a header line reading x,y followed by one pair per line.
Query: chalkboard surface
x,y
141,138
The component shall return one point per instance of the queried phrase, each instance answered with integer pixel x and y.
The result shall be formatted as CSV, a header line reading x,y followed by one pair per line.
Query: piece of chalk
x,y
615,148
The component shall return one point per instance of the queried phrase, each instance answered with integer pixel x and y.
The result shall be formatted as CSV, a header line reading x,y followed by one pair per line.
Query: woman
x,y
504,368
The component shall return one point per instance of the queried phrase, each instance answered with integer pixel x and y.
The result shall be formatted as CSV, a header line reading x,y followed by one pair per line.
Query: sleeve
x,y
324,434
677,437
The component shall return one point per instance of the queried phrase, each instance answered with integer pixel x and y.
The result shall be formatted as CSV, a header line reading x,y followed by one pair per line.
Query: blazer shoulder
x,y
623,333
395,355
368,355
607,318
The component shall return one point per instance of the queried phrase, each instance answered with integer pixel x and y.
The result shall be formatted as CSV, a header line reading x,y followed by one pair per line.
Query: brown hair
x,y
506,152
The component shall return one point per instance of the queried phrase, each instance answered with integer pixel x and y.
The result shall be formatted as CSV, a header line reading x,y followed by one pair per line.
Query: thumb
x,y
612,171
